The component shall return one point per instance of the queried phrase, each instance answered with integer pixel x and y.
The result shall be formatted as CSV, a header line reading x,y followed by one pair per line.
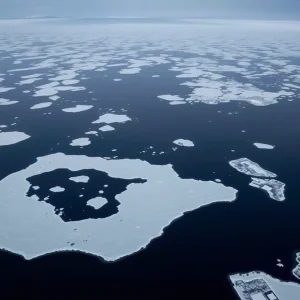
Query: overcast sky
x,y
156,8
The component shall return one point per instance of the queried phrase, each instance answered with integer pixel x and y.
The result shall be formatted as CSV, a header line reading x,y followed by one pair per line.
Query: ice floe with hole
x,y
97,202
12,137
248,167
83,179
259,286
7,102
80,142
112,118
264,146
41,105
183,143
77,108
106,128
31,228
273,187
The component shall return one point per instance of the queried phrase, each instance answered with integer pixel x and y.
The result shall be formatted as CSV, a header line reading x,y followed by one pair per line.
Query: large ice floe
x,y
12,137
248,167
273,187
260,286
31,228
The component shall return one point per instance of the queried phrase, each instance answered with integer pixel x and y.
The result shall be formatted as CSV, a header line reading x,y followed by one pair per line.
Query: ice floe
x,y
184,143
248,167
7,102
27,220
41,105
296,270
273,187
112,118
259,286
170,97
263,146
82,178
12,137
106,128
77,108
97,202
57,189
81,142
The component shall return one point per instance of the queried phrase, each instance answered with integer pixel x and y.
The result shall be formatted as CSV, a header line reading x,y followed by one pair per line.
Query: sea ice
x,y
83,179
112,118
106,128
255,285
263,146
13,137
57,189
273,187
81,142
27,220
248,167
97,202
184,143
41,105
77,108
7,102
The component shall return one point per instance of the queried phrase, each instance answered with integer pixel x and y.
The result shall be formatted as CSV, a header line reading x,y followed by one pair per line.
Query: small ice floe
x,y
106,128
83,179
184,143
41,105
263,146
13,137
77,108
97,202
80,142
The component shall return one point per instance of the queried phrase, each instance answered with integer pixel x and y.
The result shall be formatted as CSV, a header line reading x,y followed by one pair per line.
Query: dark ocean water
x,y
197,252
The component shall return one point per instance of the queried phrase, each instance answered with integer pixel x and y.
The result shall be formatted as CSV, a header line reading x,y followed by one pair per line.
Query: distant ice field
x,y
116,130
